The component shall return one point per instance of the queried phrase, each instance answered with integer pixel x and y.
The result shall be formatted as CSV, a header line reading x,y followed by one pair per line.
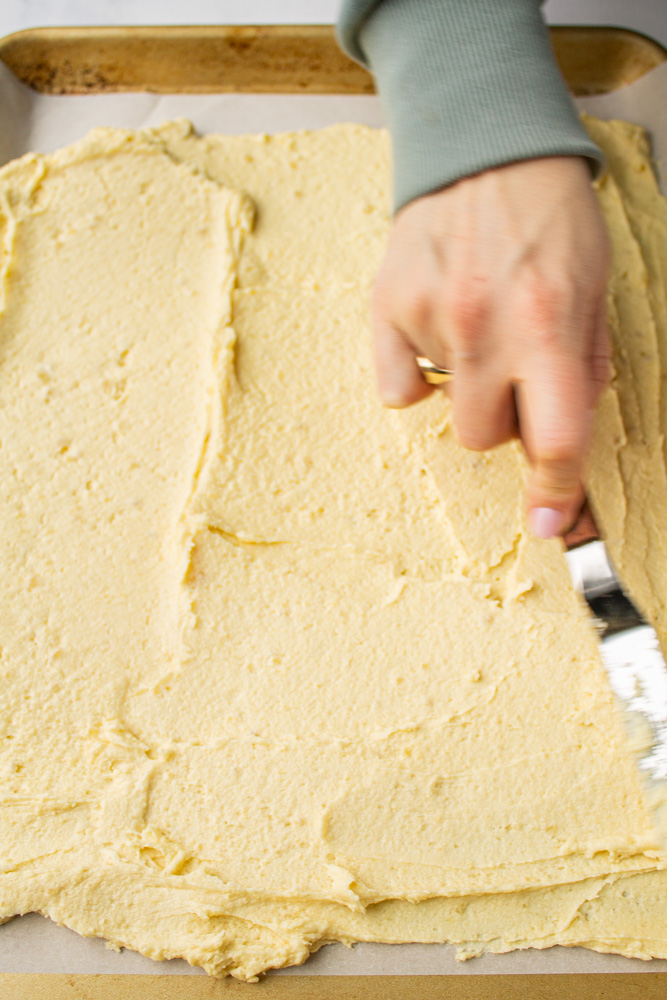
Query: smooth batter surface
x,y
280,667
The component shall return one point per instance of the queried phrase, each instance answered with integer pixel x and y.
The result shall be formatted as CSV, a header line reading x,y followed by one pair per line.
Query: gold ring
x,y
432,374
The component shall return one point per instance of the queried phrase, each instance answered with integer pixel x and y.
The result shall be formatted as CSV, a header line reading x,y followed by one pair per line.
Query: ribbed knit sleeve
x,y
465,85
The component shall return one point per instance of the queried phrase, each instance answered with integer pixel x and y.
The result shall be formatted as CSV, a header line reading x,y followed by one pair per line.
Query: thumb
x,y
555,428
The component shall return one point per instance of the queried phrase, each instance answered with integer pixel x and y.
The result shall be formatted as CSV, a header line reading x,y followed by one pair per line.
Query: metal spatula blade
x,y
632,658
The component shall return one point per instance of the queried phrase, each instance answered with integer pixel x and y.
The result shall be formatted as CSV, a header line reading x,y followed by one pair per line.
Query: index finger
x,y
556,422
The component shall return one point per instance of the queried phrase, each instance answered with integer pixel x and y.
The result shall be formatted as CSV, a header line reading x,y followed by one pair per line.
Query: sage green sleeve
x,y
465,85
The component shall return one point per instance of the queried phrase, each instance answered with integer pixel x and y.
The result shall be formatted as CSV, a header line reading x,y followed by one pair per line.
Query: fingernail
x,y
545,522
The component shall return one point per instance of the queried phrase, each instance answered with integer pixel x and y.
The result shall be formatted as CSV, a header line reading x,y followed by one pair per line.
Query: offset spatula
x,y
631,656
629,646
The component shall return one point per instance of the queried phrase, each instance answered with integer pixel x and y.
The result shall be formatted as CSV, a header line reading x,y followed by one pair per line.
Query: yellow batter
x,y
280,667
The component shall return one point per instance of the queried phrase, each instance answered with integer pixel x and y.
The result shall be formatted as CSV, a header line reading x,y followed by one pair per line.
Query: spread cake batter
x,y
281,667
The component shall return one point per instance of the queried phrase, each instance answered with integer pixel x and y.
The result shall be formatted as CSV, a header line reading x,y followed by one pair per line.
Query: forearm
x,y
466,85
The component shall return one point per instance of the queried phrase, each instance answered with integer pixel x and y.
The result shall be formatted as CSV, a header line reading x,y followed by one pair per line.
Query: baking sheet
x,y
29,121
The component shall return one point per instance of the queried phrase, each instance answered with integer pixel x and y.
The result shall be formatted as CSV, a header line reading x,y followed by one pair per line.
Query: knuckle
x,y
559,466
466,306
467,309
558,491
543,304
559,455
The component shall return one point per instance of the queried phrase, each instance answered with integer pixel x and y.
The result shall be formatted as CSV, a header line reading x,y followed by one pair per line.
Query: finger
x,y
555,427
484,411
399,380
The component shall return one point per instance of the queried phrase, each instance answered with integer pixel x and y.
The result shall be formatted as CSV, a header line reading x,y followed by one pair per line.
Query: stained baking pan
x,y
293,59
269,59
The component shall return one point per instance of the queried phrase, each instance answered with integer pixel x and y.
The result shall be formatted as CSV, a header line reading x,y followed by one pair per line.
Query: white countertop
x,y
647,16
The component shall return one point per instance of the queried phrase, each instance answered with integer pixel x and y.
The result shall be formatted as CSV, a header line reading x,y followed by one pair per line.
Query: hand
x,y
502,278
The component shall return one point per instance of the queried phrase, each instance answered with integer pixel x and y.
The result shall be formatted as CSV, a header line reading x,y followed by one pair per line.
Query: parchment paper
x,y
32,122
